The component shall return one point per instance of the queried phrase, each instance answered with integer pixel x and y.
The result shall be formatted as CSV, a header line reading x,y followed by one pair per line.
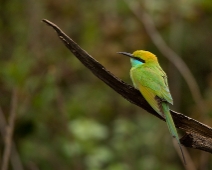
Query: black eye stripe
x,y
139,59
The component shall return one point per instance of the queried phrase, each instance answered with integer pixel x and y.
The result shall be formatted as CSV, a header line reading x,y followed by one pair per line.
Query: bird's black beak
x,y
127,54
131,56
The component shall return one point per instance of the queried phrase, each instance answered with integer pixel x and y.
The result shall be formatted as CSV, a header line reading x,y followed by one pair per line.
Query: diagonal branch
x,y
198,135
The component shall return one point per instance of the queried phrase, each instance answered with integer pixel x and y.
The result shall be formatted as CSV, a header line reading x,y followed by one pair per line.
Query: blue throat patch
x,y
135,62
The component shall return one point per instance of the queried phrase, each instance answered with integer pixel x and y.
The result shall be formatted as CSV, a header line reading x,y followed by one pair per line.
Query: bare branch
x,y
198,135
9,131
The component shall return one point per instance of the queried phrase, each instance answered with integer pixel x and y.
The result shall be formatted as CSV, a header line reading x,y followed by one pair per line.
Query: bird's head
x,y
140,57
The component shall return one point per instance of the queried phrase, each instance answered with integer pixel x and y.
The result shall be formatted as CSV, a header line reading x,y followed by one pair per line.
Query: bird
x,y
149,78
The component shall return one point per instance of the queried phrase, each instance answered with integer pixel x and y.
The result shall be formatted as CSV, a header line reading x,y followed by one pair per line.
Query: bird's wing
x,y
165,93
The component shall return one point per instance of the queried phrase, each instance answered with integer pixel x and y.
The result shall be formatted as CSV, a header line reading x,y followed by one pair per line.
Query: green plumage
x,y
151,80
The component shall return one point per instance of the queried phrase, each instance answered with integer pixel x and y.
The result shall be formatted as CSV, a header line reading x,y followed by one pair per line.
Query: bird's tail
x,y
171,126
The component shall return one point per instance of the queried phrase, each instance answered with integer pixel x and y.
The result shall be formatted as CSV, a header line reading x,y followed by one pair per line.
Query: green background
x,y
66,117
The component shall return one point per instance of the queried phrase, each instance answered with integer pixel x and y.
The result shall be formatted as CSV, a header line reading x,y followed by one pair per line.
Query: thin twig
x,y
14,158
198,135
173,57
9,131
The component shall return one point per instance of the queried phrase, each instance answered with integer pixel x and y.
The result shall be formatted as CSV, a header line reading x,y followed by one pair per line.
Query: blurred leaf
x,y
85,129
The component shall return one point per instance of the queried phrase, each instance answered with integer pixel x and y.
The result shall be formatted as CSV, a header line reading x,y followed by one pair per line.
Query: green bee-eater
x,y
150,79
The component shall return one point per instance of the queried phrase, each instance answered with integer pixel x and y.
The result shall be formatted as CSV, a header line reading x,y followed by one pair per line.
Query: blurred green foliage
x,y
69,119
